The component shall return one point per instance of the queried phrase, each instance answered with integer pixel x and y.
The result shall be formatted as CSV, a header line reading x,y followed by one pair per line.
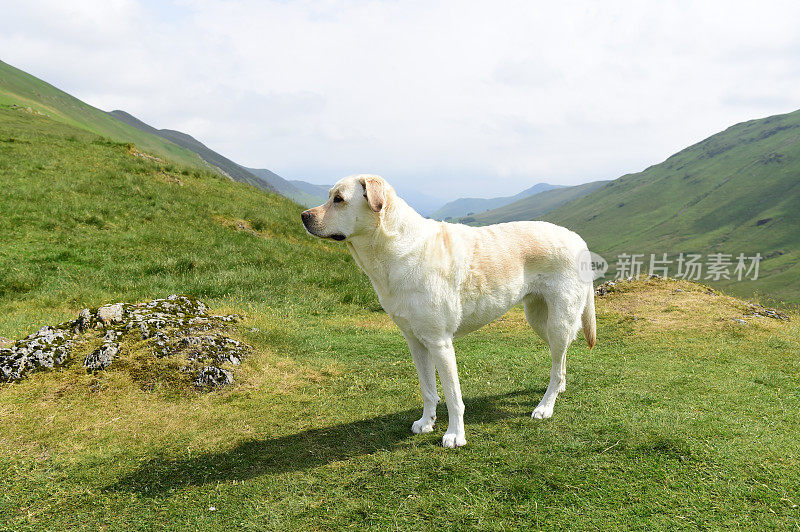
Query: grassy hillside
x,y
20,88
533,207
735,192
466,206
216,161
692,429
84,215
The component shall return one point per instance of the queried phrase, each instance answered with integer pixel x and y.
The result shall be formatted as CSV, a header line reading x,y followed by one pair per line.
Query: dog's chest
x,y
417,304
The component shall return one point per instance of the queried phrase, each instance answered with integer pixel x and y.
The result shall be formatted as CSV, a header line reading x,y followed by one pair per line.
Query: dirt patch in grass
x,y
133,150
238,224
170,178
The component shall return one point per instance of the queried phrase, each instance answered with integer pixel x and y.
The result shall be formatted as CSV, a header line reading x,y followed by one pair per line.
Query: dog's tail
x,y
588,318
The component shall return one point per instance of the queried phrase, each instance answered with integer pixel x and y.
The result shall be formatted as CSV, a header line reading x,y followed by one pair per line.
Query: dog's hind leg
x,y
426,371
536,314
562,322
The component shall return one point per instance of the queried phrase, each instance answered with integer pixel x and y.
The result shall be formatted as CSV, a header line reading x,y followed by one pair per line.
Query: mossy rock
x,y
174,340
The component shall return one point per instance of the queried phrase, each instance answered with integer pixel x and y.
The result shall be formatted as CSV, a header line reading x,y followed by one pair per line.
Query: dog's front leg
x,y
444,357
426,372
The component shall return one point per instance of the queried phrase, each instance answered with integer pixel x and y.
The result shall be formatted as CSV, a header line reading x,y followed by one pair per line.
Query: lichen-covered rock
x,y
102,357
605,288
214,348
761,310
84,320
212,376
110,314
176,326
47,348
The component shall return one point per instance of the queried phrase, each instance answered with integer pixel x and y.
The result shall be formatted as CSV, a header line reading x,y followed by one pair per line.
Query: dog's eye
x,y
338,199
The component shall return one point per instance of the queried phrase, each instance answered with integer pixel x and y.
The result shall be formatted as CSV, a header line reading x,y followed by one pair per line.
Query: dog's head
x,y
356,205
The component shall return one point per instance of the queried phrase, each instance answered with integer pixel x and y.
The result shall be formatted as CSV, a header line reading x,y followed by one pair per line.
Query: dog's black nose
x,y
305,216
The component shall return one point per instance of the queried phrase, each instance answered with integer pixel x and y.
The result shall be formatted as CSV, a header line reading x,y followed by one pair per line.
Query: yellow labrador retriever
x,y
439,280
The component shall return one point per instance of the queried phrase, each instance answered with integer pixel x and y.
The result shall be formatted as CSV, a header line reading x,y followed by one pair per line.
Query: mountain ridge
x,y
533,207
470,206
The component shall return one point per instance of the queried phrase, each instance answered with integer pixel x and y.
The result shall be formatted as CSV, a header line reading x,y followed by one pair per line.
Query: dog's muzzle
x,y
307,218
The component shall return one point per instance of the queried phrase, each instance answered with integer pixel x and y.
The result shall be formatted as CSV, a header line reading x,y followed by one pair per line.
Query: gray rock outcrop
x,y
47,348
177,326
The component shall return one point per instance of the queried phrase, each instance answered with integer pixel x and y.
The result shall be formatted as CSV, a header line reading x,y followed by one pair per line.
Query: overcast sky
x,y
451,98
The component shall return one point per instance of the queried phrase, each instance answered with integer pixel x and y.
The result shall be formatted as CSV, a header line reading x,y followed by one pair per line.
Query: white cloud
x,y
456,98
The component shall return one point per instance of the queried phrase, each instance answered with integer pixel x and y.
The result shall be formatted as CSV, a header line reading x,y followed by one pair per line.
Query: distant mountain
x,y
735,192
422,203
24,90
288,188
222,164
317,191
533,207
471,206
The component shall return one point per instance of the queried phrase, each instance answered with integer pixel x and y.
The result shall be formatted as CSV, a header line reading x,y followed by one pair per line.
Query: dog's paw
x,y
423,425
562,387
453,440
542,412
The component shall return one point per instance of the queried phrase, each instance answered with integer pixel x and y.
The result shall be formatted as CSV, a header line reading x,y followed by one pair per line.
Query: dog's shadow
x,y
304,450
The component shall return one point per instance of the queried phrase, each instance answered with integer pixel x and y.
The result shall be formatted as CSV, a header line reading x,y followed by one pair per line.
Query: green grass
x,y
679,418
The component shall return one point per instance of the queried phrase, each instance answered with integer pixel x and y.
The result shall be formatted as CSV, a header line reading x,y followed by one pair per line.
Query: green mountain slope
x,y
735,192
470,206
533,207
22,89
218,162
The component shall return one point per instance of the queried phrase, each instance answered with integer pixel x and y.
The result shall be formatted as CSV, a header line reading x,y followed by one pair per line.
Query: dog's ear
x,y
374,191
